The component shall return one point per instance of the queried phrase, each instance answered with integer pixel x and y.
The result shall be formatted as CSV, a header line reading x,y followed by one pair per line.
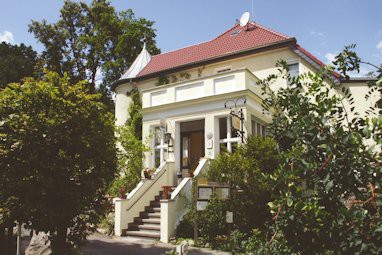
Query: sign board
x,y
201,205
229,217
222,192
205,192
236,122
202,181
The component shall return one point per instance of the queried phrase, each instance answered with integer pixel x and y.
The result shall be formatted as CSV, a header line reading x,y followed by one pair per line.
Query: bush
x,y
212,224
247,169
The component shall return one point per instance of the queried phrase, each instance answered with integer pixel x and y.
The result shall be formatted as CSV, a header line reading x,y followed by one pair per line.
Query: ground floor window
x,y
160,148
228,137
258,128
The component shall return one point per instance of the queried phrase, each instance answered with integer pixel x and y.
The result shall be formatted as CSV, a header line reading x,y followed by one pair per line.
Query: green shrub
x,y
247,169
212,222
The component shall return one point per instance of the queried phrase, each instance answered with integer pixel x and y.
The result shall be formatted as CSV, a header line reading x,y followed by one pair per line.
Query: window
x,y
293,69
160,148
228,138
258,129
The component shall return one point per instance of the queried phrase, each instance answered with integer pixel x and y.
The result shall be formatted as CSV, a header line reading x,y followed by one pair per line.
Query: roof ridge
x,y
271,30
198,43
225,32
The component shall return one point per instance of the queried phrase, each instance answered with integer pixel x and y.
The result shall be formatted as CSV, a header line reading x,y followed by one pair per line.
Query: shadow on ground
x,y
103,247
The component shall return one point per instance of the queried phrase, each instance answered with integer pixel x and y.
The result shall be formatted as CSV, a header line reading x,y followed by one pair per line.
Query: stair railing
x,y
174,209
127,209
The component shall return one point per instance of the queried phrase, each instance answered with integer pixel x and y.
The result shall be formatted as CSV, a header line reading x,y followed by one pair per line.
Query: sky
x,y
323,27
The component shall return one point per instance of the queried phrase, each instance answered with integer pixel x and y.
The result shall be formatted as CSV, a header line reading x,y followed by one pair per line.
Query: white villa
x,y
184,93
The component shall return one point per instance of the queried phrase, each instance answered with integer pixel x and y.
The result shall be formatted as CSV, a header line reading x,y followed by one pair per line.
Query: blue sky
x,y
323,27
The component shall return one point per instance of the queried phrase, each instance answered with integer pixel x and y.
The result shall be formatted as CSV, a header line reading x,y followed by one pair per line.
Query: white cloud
x,y
317,34
330,57
364,71
7,37
379,45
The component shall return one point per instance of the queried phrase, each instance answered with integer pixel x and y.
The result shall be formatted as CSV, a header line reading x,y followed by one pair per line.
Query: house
x,y
186,99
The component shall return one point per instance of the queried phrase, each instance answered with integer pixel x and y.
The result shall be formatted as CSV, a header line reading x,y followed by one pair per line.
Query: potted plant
x,y
166,192
122,193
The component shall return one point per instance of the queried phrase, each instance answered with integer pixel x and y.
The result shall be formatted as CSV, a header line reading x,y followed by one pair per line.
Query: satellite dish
x,y
244,19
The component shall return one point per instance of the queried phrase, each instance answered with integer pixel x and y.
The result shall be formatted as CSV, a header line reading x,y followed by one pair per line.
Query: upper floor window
x,y
294,69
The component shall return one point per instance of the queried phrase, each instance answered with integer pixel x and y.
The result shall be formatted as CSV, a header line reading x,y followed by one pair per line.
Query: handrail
x,y
183,183
155,180
200,166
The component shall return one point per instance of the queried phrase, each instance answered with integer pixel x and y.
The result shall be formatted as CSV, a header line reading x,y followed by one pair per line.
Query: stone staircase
x,y
147,225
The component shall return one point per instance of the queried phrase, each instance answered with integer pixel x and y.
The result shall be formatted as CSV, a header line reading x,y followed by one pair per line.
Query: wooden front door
x,y
192,149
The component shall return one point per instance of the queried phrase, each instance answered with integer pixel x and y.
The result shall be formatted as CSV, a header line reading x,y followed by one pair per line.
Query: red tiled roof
x,y
254,36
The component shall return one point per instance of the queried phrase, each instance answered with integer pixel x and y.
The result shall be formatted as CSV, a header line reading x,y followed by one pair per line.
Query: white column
x,y
229,136
166,220
120,216
211,127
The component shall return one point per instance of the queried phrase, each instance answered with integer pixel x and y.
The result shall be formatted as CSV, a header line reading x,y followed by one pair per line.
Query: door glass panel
x,y
185,152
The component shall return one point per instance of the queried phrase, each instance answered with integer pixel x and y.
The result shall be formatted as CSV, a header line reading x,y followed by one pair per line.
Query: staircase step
x,y
150,215
143,233
151,221
155,204
150,209
150,227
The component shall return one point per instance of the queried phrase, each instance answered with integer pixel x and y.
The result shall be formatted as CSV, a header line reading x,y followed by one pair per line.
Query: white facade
x,y
192,111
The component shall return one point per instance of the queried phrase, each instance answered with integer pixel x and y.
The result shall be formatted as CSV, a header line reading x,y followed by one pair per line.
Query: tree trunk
x,y
2,237
59,245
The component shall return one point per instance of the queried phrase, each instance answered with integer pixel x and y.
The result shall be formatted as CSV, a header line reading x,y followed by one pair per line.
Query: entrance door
x,y
192,149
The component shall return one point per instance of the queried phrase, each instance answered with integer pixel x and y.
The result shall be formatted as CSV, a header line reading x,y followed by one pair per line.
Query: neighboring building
x,y
185,121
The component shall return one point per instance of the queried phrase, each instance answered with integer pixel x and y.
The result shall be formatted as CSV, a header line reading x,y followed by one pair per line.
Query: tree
x,y
58,158
93,41
16,62
328,178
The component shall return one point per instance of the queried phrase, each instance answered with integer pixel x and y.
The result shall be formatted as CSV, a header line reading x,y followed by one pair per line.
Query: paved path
x,y
98,244
103,245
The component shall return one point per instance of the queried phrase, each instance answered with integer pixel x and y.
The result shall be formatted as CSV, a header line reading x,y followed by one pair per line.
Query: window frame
x,y
255,122
161,146
291,63
229,139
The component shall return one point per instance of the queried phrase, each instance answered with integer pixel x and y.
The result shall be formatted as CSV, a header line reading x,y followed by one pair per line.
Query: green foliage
x,y
58,156
135,120
131,148
16,62
129,160
247,169
185,229
328,173
211,222
107,222
90,41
